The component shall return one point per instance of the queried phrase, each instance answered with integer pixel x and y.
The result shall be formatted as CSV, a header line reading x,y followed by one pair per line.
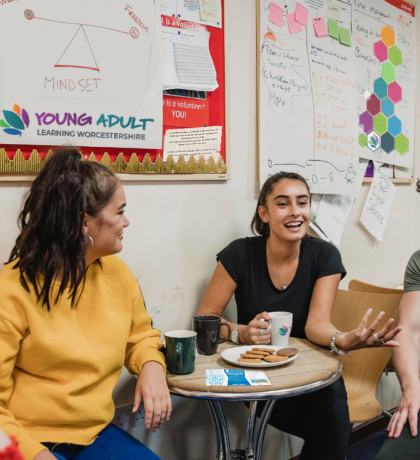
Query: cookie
x,y
268,350
287,352
275,358
249,360
251,355
259,351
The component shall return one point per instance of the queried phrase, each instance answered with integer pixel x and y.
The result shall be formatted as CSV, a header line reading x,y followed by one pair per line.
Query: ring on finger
x,y
377,339
261,331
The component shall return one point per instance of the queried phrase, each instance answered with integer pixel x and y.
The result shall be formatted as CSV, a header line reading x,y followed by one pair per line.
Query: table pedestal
x,y
313,369
254,435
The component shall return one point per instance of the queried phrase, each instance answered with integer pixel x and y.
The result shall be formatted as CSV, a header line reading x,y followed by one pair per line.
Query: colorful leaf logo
x,y
283,330
15,121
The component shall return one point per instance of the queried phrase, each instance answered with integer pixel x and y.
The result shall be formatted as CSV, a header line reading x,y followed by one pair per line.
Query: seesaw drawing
x,y
79,54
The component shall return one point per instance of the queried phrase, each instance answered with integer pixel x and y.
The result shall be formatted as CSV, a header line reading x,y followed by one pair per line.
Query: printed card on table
x,y
235,377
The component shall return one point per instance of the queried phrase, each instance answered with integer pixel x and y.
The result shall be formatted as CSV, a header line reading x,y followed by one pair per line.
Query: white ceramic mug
x,y
280,327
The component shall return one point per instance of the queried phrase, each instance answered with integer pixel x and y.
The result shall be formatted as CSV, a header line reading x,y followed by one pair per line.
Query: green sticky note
x,y
345,37
333,28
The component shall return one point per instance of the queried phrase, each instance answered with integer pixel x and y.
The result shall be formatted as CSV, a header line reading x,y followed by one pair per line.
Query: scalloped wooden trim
x,y
34,164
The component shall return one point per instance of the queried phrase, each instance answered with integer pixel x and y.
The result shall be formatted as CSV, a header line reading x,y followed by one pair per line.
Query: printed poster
x,y
81,73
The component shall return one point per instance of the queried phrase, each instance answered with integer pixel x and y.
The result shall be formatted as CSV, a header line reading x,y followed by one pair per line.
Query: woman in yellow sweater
x,y
71,315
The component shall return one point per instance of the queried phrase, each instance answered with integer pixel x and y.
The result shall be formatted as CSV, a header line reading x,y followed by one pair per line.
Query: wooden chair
x,y
356,285
362,371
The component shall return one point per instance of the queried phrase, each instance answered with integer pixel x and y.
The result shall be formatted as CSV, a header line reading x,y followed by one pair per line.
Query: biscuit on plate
x,y
275,358
268,350
249,360
259,351
250,355
289,352
256,353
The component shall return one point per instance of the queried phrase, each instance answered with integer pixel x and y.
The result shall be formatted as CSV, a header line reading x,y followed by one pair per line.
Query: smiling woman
x,y
71,315
283,269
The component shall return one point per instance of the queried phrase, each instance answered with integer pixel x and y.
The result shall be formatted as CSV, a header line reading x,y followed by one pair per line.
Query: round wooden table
x,y
313,369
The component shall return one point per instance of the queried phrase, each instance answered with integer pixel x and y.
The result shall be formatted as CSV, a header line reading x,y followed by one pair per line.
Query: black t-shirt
x,y
245,260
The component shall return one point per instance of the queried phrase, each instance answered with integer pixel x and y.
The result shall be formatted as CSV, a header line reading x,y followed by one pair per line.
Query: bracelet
x,y
334,347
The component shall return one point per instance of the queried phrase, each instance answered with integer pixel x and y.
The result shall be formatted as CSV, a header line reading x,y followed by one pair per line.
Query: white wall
x,y
177,228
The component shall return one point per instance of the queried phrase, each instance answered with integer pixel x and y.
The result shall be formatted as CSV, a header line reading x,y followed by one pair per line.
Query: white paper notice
x,y
193,141
187,60
332,214
192,10
210,10
378,204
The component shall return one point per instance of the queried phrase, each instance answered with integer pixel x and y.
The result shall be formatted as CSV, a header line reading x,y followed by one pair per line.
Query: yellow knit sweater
x,y
58,368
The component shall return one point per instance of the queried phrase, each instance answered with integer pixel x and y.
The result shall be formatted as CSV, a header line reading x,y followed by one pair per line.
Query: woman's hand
x,y
407,409
365,337
151,387
257,331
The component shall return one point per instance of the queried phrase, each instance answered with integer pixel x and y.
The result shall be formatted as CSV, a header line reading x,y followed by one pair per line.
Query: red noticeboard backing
x,y
178,112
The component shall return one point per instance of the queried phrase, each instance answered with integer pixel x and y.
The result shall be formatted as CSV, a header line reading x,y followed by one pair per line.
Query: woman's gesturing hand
x,y
257,331
367,336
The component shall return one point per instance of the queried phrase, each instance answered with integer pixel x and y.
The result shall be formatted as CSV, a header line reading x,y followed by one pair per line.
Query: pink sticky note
x,y
320,27
276,14
294,27
301,14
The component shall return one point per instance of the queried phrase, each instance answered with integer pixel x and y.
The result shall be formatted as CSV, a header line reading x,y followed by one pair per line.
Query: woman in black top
x,y
282,269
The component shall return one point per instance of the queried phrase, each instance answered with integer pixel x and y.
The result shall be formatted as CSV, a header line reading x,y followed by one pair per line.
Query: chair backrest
x,y
356,285
361,372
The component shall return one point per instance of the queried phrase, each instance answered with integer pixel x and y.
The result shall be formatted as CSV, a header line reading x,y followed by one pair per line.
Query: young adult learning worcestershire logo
x,y
15,121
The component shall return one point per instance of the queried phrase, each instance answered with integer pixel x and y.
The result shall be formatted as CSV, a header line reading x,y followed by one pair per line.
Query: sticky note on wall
x,y
344,36
301,14
320,27
276,14
333,28
294,26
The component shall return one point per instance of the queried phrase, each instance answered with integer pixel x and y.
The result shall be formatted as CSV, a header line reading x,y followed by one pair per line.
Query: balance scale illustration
x,y
79,54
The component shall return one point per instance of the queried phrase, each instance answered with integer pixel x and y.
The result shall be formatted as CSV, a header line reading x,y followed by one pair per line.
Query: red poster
x,y
403,5
185,112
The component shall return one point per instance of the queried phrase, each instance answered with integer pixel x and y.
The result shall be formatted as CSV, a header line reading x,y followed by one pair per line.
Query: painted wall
x,y
177,228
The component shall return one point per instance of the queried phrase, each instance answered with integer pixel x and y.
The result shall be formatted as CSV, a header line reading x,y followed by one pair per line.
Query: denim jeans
x,y
112,443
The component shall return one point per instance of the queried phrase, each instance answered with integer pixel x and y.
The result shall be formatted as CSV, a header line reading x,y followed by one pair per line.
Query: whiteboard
x,y
312,90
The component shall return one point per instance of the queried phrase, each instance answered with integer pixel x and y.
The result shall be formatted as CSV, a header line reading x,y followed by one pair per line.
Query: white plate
x,y
231,355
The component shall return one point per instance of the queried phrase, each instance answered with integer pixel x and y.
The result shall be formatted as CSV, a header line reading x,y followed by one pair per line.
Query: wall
x,y
177,228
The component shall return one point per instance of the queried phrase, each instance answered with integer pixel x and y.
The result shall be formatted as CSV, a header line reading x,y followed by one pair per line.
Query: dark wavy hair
x,y
51,243
258,227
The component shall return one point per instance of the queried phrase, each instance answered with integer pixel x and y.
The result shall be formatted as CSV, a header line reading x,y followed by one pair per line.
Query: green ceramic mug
x,y
180,351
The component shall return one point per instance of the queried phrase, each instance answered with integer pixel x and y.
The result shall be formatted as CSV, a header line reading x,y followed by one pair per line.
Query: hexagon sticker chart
x,y
381,128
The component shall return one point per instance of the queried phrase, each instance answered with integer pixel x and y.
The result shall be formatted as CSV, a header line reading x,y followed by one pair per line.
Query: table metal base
x,y
255,432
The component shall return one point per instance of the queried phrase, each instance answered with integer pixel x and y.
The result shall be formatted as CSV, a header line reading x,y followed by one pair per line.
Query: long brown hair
x,y
258,227
51,242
